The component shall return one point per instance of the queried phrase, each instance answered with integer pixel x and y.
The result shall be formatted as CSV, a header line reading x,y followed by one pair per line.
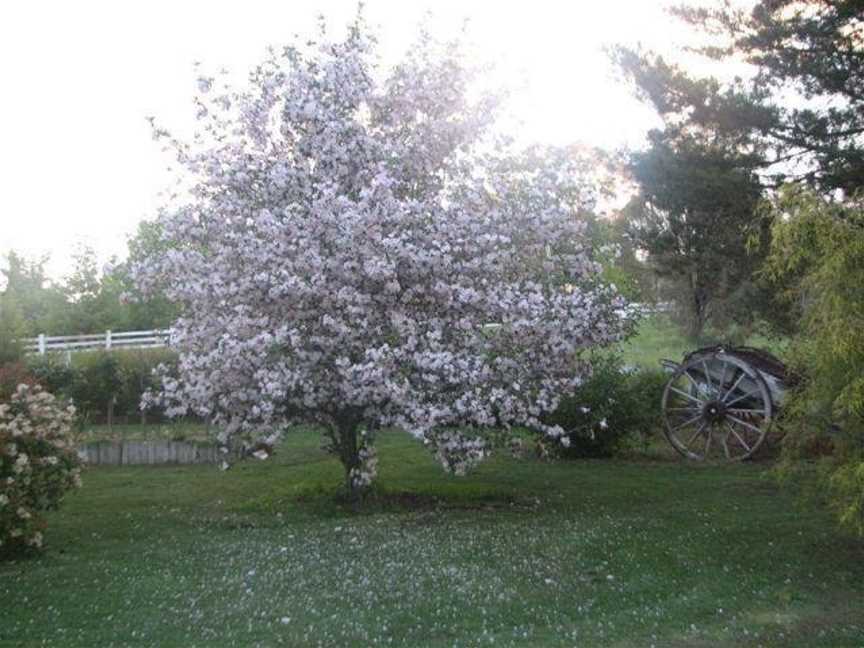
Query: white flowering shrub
x,y
360,251
38,464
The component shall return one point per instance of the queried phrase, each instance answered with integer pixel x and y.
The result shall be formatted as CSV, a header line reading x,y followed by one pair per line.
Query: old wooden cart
x,y
719,402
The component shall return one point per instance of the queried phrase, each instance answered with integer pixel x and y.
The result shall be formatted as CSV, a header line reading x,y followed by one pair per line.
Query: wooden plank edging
x,y
148,453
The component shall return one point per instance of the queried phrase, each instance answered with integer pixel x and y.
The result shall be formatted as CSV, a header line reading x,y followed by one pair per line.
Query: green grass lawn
x,y
594,553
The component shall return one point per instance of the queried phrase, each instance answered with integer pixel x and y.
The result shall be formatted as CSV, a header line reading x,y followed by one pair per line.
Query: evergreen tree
x,y
800,116
694,214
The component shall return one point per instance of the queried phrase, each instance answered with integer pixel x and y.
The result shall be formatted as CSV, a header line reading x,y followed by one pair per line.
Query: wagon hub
x,y
714,411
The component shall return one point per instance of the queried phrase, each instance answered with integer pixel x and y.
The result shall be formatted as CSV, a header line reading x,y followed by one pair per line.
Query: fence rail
x,y
107,340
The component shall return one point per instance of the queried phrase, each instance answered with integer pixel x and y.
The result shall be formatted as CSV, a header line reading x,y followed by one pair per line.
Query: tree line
x,y
89,299
710,179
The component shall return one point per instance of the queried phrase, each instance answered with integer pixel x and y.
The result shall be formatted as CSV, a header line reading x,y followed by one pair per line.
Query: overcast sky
x,y
78,164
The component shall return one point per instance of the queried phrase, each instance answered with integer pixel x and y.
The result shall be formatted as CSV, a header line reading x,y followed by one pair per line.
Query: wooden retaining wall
x,y
135,453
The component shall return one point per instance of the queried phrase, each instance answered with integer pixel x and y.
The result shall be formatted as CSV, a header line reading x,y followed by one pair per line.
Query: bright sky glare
x,y
78,164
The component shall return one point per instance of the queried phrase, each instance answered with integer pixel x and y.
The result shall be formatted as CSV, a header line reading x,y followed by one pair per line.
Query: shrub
x,y
136,378
609,407
52,373
38,464
12,375
100,381
96,384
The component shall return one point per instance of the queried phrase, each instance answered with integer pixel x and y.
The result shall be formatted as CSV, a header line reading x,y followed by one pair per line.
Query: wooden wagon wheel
x,y
716,407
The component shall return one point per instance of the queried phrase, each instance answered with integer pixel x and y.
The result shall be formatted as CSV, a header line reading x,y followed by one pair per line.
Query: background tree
x,y
11,330
616,251
800,116
29,295
87,300
694,213
154,311
349,242
821,244
797,117
92,298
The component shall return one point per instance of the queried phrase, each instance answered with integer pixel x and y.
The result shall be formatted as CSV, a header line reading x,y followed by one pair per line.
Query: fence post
x,y
41,344
108,339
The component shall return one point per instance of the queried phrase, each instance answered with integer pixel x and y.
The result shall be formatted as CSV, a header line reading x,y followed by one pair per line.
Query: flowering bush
x,y
38,464
351,237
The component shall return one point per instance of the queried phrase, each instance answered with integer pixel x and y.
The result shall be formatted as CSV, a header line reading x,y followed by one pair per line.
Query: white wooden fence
x,y
107,340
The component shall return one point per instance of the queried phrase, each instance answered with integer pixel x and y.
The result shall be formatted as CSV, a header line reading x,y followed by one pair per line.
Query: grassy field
x,y
522,552
658,338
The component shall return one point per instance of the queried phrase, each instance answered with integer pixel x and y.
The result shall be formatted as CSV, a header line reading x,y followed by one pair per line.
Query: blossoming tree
x,y
360,251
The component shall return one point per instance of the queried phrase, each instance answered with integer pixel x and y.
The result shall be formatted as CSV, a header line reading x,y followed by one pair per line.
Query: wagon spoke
x,y
725,447
733,387
695,435
745,424
738,436
707,375
746,410
742,398
695,382
687,422
707,444
685,394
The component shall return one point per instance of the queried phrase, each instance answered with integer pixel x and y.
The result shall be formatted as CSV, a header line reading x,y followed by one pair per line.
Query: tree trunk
x,y
349,453
699,304
143,410
698,320
694,331
110,413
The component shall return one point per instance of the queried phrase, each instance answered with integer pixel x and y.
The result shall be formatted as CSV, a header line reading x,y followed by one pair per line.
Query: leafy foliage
x,y
97,384
29,302
100,381
822,244
609,408
616,251
11,330
90,299
13,374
